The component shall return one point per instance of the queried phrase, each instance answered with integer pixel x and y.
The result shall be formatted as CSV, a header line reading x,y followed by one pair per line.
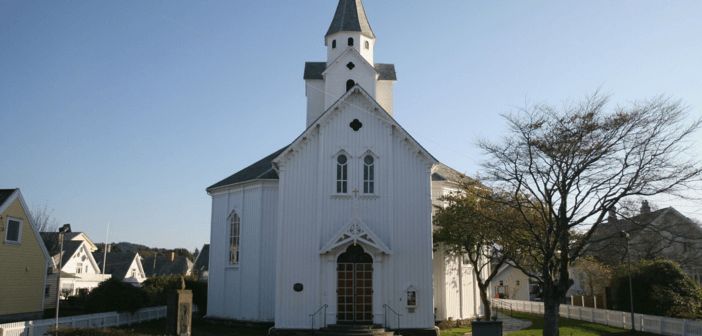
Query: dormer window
x,y
367,45
342,174
350,84
350,41
334,44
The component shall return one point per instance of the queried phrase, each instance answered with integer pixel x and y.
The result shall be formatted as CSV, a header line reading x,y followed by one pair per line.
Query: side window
x,y
79,268
368,175
350,41
367,45
13,230
342,174
334,44
234,230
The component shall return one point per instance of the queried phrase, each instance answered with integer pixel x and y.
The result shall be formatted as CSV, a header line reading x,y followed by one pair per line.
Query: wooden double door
x,y
354,286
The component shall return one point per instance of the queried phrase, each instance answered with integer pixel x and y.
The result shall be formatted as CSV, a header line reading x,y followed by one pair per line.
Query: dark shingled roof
x,y
203,259
350,16
51,241
6,193
263,169
446,173
118,263
164,266
314,70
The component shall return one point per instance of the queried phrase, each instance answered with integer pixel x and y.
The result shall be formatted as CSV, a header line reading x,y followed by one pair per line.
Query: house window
x,y
466,261
47,291
350,84
350,41
502,283
341,174
79,268
517,282
134,274
13,230
367,45
368,175
334,44
234,229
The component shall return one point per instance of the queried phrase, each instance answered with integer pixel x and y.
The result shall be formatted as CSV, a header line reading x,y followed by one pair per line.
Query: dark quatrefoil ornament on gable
x,y
356,125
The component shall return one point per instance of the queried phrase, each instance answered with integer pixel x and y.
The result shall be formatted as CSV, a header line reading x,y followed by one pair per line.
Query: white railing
x,y
649,323
101,320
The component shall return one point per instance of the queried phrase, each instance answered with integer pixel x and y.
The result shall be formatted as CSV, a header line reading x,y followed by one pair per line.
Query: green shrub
x,y
446,325
158,288
114,295
660,288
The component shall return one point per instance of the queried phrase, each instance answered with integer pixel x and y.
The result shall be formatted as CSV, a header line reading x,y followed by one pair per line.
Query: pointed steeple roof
x,y
350,16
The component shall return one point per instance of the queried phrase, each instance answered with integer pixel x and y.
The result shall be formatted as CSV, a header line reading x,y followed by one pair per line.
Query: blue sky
x,y
125,111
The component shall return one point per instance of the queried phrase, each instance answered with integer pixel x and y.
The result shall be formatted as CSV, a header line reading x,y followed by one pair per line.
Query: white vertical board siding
x,y
236,291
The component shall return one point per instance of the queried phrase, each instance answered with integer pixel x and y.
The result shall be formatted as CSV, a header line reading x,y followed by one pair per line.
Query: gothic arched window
x,y
350,41
367,45
334,44
350,84
234,231
368,175
342,174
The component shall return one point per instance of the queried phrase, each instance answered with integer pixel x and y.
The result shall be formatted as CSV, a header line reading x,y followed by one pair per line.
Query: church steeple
x,y
350,17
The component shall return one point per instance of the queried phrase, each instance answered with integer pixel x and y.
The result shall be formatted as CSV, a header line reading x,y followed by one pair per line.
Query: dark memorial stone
x,y
487,328
180,312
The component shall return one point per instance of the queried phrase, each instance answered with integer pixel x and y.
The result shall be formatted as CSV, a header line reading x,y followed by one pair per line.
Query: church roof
x,y
314,70
443,172
350,16
261,170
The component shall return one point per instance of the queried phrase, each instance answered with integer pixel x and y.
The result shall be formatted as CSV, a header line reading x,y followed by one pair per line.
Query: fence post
x,y
31,328
73,322
2,332
660,325
684,327
580,314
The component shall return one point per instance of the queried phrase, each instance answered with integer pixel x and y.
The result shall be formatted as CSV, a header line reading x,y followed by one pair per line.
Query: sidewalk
x,y
510,324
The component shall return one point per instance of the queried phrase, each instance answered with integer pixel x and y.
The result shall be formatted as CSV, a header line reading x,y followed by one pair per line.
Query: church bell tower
x,y
350,63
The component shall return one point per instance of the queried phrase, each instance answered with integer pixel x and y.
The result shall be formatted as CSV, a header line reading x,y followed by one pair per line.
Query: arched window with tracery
x,y
350,41
368,174
234,236
350,84
342,174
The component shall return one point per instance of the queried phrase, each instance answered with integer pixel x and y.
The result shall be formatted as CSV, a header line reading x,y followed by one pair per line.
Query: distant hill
x,y
145,251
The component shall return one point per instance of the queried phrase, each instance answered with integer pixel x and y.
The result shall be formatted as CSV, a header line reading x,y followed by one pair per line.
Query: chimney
x,y
612,216
172,256
644,207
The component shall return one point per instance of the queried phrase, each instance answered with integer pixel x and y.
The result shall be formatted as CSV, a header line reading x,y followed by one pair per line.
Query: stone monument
x,y
180,311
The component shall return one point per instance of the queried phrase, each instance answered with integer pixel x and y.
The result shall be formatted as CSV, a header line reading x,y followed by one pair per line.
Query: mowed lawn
x,y
570,327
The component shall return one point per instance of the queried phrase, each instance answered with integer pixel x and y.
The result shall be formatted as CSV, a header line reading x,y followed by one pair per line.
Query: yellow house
x,y
23,261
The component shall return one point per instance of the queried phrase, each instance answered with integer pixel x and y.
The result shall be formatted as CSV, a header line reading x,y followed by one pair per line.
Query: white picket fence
x,y
653,324
102,320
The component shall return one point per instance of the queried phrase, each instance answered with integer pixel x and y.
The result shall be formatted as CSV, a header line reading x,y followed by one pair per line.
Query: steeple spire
x,y
350,17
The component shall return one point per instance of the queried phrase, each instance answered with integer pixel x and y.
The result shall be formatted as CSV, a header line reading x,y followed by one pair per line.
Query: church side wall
x,y
384,95
235,290
314,89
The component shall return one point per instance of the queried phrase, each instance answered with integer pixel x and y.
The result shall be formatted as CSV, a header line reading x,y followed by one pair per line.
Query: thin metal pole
x,y
58,282
104,258
631,288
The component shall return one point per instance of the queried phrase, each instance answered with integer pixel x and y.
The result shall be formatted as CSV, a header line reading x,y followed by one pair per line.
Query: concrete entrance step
x,y
354,330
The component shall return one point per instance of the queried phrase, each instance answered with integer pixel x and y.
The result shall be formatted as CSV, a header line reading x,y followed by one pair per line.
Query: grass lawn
x,y
570,327
457,331
200,328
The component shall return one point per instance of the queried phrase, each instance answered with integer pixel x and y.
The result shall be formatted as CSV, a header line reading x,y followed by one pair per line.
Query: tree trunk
x,y
551,308
485,300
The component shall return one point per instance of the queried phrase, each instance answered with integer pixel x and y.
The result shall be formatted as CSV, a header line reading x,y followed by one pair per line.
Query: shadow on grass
x,y
568,327
199,328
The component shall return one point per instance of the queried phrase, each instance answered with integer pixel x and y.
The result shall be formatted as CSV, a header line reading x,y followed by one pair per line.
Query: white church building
x,y
341,216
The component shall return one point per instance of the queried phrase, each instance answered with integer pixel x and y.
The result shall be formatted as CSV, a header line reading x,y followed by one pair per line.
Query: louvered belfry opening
x,y
355,286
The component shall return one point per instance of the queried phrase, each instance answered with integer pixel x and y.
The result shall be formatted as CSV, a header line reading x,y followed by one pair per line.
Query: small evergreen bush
x,y
114,295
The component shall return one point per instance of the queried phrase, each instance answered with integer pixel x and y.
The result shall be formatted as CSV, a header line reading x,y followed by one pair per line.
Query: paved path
x,y
511,324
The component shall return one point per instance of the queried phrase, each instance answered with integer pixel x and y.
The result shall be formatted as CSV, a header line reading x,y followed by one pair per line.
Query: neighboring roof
x,y
6,193
350,16
314,70
261,170
118,263
443,172
164,266
53,246
203,259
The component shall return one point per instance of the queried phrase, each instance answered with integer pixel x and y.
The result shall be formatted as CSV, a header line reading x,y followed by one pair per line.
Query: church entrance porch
x,y
354,286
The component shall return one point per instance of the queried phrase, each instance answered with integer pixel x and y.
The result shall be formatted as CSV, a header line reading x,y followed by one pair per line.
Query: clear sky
x,y
125,111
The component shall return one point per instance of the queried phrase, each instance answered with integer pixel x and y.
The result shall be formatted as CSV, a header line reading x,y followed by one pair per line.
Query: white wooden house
x,y
342,216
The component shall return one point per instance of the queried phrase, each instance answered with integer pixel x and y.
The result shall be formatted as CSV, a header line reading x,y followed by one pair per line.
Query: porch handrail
x,y
386,307
317,312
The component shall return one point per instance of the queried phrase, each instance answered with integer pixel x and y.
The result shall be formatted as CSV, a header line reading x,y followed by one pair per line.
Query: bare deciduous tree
x,y
44,220
571,165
